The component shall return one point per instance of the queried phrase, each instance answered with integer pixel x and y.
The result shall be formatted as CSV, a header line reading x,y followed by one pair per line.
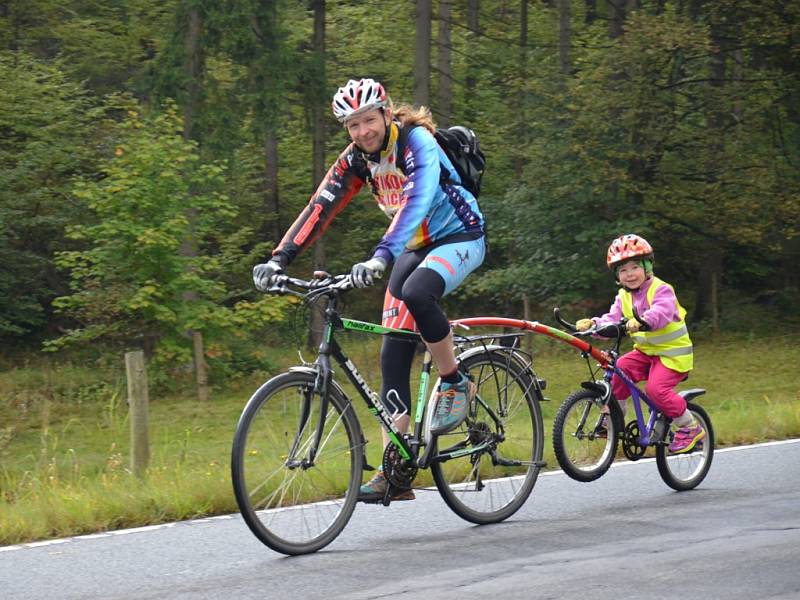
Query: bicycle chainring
x,y
399,473
630,442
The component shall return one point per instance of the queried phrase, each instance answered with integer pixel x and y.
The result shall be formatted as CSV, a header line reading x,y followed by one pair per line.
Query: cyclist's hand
x,y
363,273
264,274
584,324
632,326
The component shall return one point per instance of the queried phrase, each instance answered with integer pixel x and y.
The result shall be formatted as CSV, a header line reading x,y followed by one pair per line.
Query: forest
x,y
151,152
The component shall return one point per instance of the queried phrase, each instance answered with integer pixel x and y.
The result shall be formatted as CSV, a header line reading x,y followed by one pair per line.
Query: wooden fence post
x,y
138,401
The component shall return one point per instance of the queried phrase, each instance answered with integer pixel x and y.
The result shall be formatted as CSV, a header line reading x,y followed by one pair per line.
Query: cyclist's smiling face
x,y
632,275
368,129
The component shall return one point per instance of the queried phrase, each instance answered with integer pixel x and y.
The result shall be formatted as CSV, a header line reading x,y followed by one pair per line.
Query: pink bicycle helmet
x,y
627,247
358,96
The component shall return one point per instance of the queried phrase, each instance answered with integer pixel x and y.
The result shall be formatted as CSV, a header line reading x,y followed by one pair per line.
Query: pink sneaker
x,y
686,438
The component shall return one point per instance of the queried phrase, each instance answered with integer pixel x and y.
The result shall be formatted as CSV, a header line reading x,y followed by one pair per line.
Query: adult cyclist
x,y
434,240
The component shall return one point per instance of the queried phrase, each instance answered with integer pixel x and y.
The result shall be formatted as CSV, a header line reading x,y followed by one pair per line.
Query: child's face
x,y
632,275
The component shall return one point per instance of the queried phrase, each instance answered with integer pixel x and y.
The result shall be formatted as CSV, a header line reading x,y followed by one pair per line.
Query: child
x,y
662,355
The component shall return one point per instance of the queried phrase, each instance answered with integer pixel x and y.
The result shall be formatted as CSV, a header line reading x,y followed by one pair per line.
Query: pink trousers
x,y
661,382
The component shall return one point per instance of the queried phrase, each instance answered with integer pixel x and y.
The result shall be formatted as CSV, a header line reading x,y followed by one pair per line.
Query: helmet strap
x,y
387,132
645,263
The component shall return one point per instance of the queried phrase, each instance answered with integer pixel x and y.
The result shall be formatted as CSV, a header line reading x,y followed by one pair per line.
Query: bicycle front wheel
x,y
293,502
491,462
585,438
685,471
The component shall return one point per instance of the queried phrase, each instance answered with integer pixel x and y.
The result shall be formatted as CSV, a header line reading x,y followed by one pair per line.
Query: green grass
x,y
64,432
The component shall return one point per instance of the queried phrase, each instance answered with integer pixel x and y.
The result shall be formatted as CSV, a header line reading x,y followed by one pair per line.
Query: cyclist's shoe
x,y
452,404
686,438
375,489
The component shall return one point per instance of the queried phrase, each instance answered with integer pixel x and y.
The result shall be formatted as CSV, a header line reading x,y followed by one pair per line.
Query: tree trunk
x,y
709,279
422,54
318,113
526,314
520,158
444,103
473,25
194,67
200,366
264,24
616,18
272,224
591,12
564,35
710,273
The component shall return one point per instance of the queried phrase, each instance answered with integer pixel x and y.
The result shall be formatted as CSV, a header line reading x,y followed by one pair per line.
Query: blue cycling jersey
x,y
422,209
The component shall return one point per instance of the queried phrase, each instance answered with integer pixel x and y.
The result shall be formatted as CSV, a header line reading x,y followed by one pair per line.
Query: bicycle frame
x,y
637,395
606,361
330,347
407,445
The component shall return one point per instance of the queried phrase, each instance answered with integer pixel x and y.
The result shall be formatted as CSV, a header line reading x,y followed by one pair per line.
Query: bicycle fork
x,y
321,388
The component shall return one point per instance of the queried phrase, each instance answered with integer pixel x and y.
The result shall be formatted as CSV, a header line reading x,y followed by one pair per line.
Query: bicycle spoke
x,y
507,424
279,494
583,455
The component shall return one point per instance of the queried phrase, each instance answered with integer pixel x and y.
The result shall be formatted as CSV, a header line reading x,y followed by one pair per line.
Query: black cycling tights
x,y
397,355
421,290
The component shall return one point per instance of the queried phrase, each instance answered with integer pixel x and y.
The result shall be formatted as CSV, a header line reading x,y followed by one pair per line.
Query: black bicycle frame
x,y
330,347
407,446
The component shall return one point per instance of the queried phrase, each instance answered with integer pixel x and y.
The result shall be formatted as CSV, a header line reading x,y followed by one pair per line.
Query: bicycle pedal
x,y
371,500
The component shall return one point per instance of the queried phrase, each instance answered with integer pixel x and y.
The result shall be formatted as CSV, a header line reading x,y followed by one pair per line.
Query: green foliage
x,y
48,126
685,129
103,43
135,281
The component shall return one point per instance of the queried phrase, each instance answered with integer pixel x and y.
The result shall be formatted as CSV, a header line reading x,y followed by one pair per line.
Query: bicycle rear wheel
x,y
490,485
292,504
584,437
685,471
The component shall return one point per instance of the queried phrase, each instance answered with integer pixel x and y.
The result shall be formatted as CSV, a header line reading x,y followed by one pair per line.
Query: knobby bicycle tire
x,y
584,442
475,488
685,471
296,508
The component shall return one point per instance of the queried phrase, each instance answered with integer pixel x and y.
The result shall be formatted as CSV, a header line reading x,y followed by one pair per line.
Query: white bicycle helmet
x,y
355,97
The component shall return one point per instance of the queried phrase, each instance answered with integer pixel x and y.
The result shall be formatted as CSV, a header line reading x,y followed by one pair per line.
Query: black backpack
x,y
461,146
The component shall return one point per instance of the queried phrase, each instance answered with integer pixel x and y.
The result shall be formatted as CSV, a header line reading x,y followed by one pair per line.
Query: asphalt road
x,y
626,535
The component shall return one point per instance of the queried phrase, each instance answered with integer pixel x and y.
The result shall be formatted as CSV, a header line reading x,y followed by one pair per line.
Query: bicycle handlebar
x,y
560,321
611,331
322,282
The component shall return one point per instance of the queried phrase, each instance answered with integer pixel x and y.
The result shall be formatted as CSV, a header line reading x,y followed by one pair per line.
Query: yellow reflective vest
x,y
671,343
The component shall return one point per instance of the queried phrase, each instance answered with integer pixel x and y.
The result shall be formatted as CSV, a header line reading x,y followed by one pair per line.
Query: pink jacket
x,y
663,311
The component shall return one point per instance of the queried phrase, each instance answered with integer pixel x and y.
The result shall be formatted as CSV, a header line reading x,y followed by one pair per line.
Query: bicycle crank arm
x,y
505,462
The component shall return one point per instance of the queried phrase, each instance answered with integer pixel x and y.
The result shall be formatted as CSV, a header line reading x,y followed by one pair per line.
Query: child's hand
x,y
632,325
584,324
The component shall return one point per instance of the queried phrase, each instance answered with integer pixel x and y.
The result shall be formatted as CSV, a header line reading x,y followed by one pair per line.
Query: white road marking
x,y
148,528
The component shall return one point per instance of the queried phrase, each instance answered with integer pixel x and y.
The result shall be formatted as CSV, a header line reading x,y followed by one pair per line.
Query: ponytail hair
x,y
409,115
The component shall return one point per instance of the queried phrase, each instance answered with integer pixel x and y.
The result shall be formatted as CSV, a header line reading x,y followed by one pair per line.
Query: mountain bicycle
x,y
589,424
299,449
